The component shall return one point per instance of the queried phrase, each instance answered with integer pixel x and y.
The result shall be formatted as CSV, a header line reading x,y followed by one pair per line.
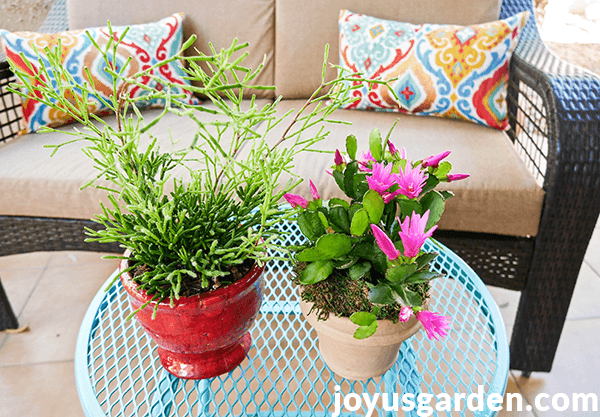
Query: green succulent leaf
x,y
365,331
353,209
373,203
363,250
311,255
350,180
408,297
316,272
311,225
345,263
407,207
375,144
434,202
421,277
339,179
399,274
339,202
351,146
447,194
443,169
424,259
323,219
381,294
359,270
334,245
339,219
430,184
363,318
360,222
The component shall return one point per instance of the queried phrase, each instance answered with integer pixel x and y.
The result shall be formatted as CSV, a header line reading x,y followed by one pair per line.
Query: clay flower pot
x,y
205,335
359,359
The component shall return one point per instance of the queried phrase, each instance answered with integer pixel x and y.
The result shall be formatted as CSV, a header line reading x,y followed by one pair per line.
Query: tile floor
x,y
51,291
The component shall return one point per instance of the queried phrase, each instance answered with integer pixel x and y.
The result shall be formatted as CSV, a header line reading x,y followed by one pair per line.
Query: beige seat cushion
x,y
251,21
304,27
501,196
34,184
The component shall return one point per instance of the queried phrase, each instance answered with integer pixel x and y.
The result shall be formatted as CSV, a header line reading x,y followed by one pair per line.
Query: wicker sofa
x,y
525,225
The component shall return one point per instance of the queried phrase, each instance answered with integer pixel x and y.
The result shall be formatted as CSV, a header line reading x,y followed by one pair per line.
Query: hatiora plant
x,y
363,258
186,235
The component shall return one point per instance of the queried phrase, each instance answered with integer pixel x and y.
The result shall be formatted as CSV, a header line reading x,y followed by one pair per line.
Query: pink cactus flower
x,y
413,233
296,200
434,161
405,313
392,148
313,191
381,178
411,181
338,159
384,243
387,197
363,164
435,324
456,177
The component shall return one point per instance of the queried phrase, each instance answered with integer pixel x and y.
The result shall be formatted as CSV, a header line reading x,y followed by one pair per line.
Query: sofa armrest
x,y
554,113
554,110
11,111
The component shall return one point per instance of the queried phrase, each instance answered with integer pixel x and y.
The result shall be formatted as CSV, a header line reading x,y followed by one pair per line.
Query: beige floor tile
x,y
507,302
18,284
72,258
584,303
42,390
55,312
575,370
25,260
512,388
592,256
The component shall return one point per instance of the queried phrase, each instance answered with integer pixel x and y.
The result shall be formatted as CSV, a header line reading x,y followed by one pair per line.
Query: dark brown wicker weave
x,y
554,111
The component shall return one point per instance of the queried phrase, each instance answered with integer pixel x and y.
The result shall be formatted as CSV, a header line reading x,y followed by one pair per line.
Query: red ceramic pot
x,y
201,336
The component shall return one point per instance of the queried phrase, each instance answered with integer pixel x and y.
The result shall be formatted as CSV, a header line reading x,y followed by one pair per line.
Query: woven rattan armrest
x,y
554,111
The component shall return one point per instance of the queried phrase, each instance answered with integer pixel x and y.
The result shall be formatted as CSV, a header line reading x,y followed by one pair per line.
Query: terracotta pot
x,y
359,359
201,336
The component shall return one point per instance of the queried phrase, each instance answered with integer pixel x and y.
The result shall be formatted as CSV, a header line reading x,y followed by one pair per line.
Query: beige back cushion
x,y
304,27
213,21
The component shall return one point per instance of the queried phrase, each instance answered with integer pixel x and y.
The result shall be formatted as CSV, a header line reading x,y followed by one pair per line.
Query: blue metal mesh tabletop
x,y
119,374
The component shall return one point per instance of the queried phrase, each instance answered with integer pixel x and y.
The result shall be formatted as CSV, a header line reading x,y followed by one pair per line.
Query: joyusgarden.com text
x,y
426,404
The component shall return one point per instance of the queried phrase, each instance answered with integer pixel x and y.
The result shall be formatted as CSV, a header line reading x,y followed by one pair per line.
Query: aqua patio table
x,y
118,372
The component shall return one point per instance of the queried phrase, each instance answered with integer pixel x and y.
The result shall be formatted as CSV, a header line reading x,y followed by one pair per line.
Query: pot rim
x,y
189,302
343,328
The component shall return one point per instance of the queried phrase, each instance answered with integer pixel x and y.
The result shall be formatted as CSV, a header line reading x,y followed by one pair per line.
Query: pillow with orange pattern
x,y
437,70
146,44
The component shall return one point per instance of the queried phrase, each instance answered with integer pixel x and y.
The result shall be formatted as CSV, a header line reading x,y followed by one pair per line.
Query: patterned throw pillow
x,y
441,70
146,44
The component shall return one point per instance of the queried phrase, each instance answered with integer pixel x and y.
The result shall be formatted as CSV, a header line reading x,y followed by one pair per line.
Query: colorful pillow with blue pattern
x,y
450,71
146,44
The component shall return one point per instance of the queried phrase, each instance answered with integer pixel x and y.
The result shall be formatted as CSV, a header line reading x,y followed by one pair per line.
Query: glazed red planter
x,y
201,336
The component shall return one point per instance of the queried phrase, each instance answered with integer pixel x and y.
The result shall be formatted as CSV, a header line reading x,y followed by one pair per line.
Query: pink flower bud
x,y
392,148
384,243
434,161
456,177
296,200
339,159
313,191
405,313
